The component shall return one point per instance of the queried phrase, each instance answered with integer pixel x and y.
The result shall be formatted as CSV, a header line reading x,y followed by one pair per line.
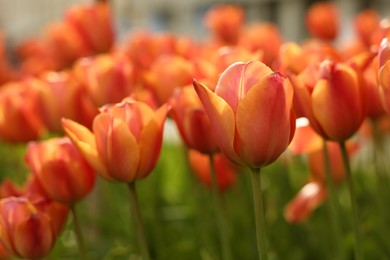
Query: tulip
x,y
332,97
108,78
249,127
167,73
25,231
60,168
93,24
192,121
263,37
125,142
322,20
61,95
225,22
366,23
225,170
20,119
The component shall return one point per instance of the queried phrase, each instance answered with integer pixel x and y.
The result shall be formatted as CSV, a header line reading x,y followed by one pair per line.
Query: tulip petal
x,y
238,79
84,140
263,121
221,119
150,142
117,147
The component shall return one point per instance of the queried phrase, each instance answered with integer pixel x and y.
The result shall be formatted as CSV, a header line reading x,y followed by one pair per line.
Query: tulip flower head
x,y
250,113
322,20
126,140
60,168
25,231
334,102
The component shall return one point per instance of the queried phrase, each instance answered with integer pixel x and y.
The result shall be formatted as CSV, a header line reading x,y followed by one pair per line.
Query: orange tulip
x,y
192,121
366,23
264,38
322,20
167,73
60,168
108,78
93,24
225,170
61,95
126,140
225,22
20,119
332,97
250,113
25,231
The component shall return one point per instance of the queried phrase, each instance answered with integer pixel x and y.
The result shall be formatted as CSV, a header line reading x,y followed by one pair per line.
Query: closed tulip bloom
x,y
250,113
25,231
192,121
335,105
167,73
225,22
62,95
93,24
61,170
20,119
126,140
108,78
322,21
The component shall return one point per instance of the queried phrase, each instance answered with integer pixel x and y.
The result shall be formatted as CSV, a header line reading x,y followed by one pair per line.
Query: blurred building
x,y
20,19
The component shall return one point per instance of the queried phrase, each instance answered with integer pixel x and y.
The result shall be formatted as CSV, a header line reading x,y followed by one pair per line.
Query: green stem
x,y
382,181
352,194
138,224
332,206
79,234
220,213
259,214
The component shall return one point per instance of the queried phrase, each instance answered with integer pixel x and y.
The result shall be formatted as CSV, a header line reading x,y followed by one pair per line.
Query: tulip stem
x,y
352,194
332,206
138,223
220,212
259,214
79,234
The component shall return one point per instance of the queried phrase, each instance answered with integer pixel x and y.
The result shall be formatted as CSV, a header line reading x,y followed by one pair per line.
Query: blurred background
x,y
20,19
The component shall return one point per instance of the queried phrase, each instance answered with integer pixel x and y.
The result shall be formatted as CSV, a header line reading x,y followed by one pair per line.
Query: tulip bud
x,y
25,231
322,20
60,168
108,78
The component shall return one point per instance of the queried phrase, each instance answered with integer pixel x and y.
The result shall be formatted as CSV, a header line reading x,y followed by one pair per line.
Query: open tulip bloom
x,y
251,115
